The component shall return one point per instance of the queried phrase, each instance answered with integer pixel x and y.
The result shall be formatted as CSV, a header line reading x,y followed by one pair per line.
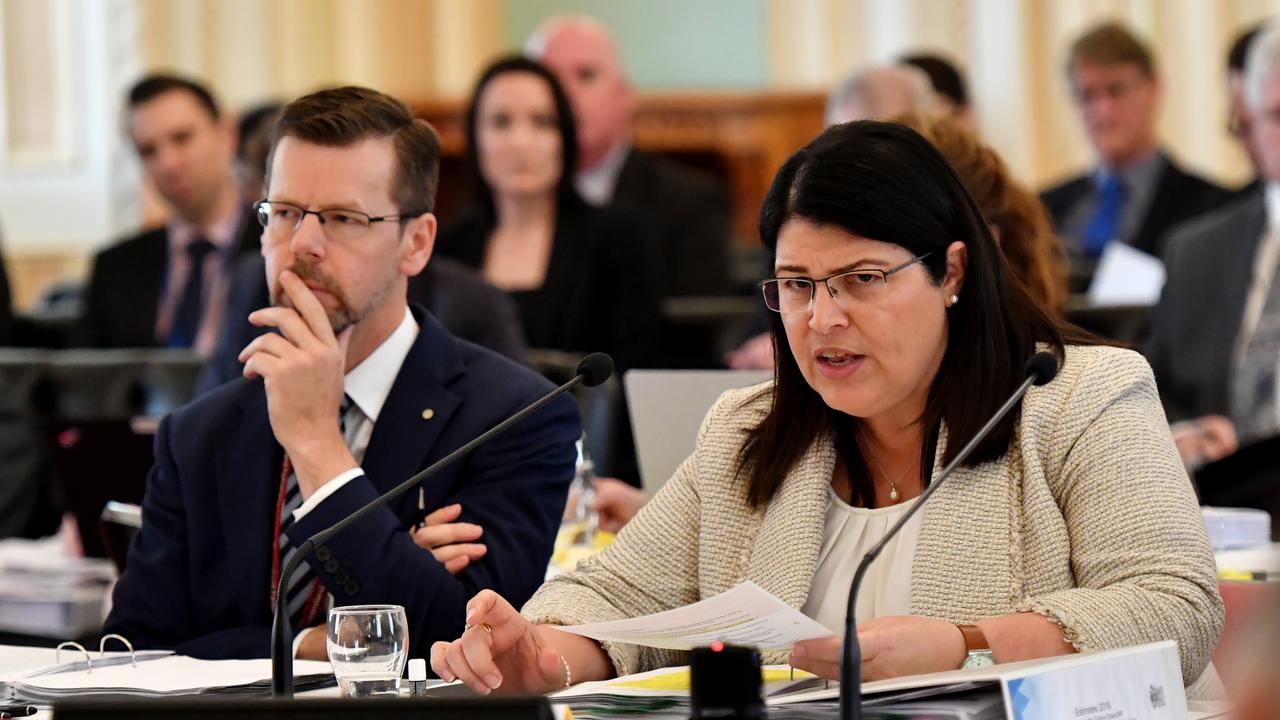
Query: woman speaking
x,y
897,333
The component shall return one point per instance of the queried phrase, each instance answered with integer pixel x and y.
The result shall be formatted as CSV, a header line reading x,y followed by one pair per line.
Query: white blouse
x,y
848,534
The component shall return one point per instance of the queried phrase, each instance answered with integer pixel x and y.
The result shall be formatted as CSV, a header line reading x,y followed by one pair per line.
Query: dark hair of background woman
x,y
885,182
566,193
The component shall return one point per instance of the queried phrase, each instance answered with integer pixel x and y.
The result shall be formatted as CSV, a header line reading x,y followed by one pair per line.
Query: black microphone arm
x,y
593,370
1039,370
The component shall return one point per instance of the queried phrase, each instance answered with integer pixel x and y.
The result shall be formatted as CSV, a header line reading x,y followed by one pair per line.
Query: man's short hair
x,y
1110,44
344,116
157,84
944,76
1239,52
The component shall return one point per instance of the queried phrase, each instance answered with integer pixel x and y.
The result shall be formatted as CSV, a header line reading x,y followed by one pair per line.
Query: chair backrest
x,y
117,526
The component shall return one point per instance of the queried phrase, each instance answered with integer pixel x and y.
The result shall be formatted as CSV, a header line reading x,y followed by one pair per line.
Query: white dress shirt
x,y
368,385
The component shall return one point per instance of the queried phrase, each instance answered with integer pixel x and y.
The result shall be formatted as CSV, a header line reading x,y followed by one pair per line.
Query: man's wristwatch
x,y
976,647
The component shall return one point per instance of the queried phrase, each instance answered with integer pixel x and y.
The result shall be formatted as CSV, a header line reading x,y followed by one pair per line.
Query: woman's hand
x,y
617,502
500,649
891,647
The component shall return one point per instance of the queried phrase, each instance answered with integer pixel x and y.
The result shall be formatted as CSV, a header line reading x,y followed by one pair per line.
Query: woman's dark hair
x,y
885,182
566,193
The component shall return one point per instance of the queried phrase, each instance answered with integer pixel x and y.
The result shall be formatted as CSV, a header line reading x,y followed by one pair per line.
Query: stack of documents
x,y
43,592
1234,528
155,674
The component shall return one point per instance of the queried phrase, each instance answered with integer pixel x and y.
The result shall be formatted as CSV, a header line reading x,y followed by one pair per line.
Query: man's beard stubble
x,y
340,318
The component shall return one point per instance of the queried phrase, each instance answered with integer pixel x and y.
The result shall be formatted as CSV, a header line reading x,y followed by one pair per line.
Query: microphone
x,y
593,370
1039,370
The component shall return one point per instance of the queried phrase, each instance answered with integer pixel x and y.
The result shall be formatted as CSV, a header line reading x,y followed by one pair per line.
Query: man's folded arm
x,y
514,487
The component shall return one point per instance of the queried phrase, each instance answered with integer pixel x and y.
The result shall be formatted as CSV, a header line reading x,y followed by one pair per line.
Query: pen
x,y
17,711
422,506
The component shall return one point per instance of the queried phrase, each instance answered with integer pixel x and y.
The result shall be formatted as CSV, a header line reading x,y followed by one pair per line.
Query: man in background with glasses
x,y
1136,192
166,287
353,392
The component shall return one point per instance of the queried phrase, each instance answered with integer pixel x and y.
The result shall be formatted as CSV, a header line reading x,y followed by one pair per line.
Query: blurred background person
x,y
584,278
253,145
1239,121
879,92
1215,338
167,287
1136,191
1018,222
690,211
951,92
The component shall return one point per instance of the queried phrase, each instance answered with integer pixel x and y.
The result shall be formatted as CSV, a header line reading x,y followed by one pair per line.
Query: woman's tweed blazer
x,y
1089,519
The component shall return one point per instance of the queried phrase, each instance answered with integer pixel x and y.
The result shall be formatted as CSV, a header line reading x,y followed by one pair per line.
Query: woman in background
x,y
1018,221
585,279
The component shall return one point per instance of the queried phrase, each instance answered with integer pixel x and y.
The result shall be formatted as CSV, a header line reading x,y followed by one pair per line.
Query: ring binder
x,y
57,654
102,647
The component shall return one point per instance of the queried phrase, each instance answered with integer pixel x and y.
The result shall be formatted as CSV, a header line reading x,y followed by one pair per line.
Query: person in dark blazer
x,y
467,306
142,291
1136,192
356,393
584,278
691,212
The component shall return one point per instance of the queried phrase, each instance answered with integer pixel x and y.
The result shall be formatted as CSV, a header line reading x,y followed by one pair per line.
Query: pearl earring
x,y
953,300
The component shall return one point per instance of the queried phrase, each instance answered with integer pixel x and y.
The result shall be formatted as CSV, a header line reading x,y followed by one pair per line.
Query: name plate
x,y
1139,683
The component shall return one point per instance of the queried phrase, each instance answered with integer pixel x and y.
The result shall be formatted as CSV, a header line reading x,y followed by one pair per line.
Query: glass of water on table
x,y
368,647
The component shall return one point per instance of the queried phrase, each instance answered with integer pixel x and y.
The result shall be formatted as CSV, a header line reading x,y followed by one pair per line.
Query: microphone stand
x,y
281,633
851,653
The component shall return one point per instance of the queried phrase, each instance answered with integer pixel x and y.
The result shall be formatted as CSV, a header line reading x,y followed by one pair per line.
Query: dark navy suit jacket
x,y
198,578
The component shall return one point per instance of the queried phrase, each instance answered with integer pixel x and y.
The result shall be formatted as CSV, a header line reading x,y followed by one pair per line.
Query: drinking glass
x,y
368,647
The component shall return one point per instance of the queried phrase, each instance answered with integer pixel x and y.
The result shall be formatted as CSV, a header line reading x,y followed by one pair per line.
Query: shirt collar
x,y
221,233
1138,174
1272,195
597,184
369,383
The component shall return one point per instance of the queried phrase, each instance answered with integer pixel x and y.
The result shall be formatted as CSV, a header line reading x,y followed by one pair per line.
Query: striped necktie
x,y
304,590
1253,391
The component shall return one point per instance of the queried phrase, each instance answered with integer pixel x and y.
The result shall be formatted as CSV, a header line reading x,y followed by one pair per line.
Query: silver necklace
x,y
894,495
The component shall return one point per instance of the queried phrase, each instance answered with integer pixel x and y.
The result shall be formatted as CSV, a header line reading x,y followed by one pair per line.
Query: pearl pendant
x,y
893,493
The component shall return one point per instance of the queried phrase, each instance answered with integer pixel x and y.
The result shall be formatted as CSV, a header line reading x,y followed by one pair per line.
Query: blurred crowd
x,y
576,240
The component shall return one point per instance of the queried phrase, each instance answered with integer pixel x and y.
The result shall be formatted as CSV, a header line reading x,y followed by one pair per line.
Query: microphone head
x,y
1043,366
595,369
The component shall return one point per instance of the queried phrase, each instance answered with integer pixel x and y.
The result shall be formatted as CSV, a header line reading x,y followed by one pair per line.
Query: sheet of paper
x,y
176,674
1126,276
742,615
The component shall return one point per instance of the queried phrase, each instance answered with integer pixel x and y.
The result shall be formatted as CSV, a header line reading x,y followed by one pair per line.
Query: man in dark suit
x,y
690,211
1136,192
355,393
1215,340
166,287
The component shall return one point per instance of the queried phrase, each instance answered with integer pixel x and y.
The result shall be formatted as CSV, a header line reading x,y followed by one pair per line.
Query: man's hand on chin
x,y
302,370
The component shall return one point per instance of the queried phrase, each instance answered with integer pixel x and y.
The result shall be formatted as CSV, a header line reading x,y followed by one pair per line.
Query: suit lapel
x,y
418,408
790,531
247,474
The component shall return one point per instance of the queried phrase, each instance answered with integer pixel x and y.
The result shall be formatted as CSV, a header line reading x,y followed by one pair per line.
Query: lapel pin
x,y
428,414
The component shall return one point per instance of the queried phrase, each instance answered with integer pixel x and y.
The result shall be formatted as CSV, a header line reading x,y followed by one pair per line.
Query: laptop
x,y
667,408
